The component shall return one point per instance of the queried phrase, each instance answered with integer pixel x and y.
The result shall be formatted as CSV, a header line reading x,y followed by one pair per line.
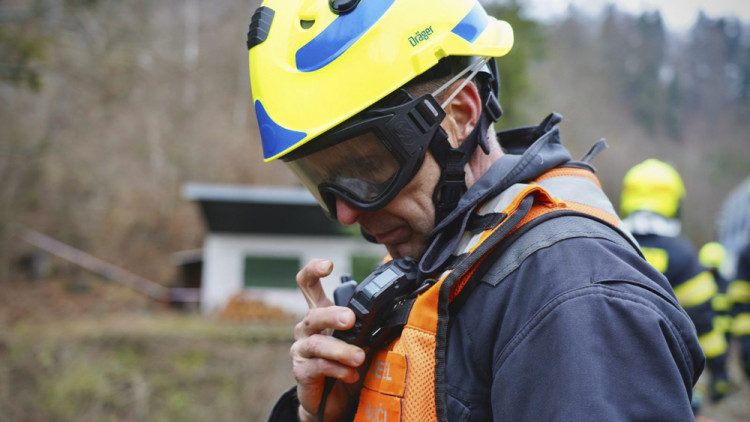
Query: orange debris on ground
x,y
243,308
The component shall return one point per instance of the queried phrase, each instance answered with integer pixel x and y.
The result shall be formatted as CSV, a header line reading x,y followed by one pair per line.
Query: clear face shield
x,y
366,162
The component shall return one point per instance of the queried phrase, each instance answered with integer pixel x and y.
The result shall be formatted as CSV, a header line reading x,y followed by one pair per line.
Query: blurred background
x,y
123,122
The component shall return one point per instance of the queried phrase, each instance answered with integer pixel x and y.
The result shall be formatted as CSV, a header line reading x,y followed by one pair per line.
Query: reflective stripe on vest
x,y
400,384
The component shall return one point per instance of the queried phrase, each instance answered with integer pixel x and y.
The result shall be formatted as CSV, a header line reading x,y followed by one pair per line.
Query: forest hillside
x,y
109,107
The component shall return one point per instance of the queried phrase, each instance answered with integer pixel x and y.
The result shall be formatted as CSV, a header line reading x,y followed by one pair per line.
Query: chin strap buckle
x,y
452,184
492,107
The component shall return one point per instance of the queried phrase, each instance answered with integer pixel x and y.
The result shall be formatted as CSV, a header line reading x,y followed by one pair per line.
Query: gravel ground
x,y
736,407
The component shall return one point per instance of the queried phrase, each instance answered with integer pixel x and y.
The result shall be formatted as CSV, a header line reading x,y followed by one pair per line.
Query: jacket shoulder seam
x,y
591,290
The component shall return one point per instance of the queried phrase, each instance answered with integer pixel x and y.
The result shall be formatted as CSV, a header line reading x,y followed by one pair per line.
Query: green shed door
x,y
267,271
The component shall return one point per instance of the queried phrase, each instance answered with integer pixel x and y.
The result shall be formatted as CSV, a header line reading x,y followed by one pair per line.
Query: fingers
x,y
324,356
315,354
324,320
308,280
328,348
313,360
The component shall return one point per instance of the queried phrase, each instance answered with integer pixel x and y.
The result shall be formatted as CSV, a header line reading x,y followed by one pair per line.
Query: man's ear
x,y
463,111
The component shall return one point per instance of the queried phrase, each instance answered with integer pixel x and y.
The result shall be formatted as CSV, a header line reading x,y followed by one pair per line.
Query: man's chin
x,y
404,250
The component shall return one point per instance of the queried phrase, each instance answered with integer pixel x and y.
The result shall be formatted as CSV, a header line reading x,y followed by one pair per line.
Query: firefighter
x,y
651,200
712,256
739,296
528,303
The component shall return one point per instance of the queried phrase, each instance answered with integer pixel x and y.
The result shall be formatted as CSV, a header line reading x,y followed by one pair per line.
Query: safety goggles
x,y
367,161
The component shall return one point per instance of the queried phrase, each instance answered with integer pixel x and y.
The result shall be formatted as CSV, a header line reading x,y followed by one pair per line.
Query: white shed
x,y
259,237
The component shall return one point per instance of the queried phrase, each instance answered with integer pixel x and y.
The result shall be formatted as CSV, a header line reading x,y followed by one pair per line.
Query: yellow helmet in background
x,y
712,255
652,185
316,63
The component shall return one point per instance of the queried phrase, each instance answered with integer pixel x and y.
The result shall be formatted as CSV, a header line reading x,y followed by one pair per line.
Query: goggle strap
x,y
474,68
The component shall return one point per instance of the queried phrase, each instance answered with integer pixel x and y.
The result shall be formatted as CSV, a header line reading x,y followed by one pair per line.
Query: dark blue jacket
x,y
682,267
583,330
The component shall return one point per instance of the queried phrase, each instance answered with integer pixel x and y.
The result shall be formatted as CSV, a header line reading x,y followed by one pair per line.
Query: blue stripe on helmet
x,y
472,24
344,31
274,137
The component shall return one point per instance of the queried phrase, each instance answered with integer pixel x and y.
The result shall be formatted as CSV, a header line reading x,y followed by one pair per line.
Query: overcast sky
x,y
679,15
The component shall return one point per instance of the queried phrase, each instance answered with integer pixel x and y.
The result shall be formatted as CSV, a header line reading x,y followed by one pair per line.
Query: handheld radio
x,y
374,299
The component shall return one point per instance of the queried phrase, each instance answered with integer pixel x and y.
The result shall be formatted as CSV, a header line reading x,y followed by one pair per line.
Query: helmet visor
x,y
368,161
360,170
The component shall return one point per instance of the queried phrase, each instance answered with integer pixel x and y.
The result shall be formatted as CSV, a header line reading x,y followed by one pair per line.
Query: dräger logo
x,y
420,36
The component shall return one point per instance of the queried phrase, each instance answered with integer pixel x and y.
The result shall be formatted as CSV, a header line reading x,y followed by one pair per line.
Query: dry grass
x,y
145,365
104,354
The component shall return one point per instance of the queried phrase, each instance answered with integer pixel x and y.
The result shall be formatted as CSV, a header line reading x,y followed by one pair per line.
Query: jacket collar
x,y
531,151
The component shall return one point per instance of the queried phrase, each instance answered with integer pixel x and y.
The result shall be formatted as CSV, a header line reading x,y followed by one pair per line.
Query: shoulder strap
x,y
538,234
545,234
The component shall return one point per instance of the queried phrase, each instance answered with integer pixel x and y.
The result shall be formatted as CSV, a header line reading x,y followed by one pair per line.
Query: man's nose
x,y
347,213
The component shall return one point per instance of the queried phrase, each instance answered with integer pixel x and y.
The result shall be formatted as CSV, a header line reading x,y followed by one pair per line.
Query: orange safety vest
x,y
400,382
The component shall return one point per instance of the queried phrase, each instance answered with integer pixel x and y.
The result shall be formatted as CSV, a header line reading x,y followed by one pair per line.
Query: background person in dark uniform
x,y
712,256
652,195
739,295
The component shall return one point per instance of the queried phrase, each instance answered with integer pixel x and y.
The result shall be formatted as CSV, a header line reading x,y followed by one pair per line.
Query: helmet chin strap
x,y
452,161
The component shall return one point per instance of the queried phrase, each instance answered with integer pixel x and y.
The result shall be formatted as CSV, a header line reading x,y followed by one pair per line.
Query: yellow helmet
x,y
652,185
316,63
712,255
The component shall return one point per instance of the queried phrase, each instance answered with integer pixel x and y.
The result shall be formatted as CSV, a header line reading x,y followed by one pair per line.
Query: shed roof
x,y
260,210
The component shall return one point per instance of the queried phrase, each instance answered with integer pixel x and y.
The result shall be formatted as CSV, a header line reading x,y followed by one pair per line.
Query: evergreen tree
x,y
515,82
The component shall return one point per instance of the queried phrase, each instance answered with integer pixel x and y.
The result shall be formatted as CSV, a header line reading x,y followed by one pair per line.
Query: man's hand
x,y
316,355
